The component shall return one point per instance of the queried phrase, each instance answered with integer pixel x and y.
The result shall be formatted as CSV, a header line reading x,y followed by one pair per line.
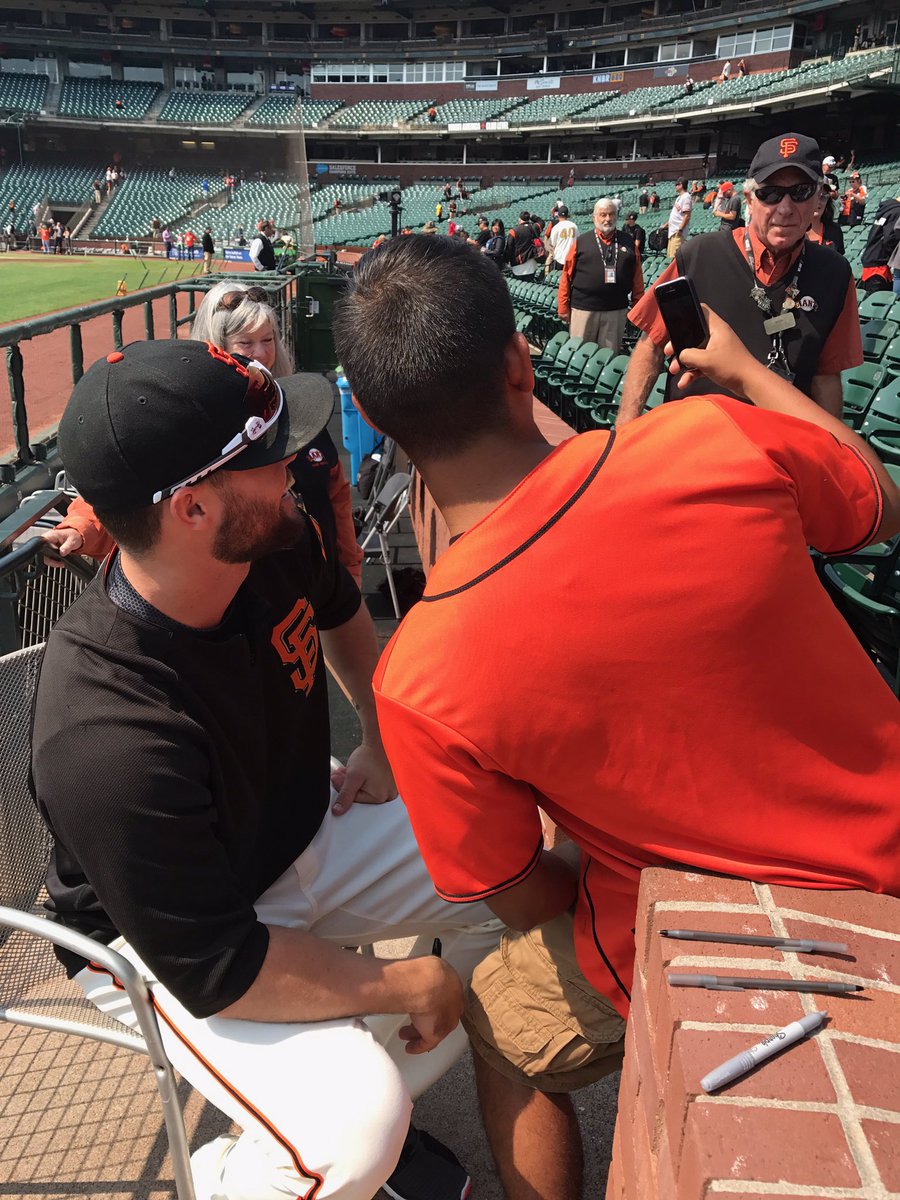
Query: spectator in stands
x,y
623,727
190,239
338,204
560,239
679,218
521,251
119,105
829,172
643,201
167,241
824,229
204,188
883,238
710,198
172,173
262,252
209,249
570,178
451,226
231,874
726,73
654,202
742,69
483,236
432,114
45,238
439,211
602,270
239,235
688,86
768,270
429,228
698,187
448,190
728,207
635,232
109,180
97,191
495,248
855,200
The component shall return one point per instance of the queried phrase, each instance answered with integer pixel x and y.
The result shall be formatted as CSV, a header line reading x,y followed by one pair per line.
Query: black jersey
x,y
182,771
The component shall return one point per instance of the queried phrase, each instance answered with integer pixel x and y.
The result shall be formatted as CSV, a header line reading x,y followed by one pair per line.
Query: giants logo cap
x,y
787,150
146,417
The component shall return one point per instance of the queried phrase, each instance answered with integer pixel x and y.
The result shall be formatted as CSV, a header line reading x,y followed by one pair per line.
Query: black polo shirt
x,y
182,771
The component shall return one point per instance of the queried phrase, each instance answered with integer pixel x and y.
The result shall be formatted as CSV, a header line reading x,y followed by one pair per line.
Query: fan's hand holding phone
x,y
679,307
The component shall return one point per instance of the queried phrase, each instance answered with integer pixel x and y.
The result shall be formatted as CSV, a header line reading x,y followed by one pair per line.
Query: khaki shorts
x,y
674,244
532,1015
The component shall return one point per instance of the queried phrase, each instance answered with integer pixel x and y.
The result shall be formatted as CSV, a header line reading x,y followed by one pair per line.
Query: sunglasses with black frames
x,y
772,193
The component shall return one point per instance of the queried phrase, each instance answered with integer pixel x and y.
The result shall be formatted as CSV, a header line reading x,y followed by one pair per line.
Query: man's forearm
x,y
549,890
643,369
828,393
352,652
304,978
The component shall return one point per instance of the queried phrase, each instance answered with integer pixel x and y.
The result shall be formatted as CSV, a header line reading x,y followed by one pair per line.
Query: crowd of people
x,y
233,866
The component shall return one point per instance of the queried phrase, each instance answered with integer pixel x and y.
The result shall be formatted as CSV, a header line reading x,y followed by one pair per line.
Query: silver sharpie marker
x,y
804,945
741,983
735,1067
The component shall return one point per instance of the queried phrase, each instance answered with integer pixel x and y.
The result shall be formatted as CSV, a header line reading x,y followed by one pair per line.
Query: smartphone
x,y
681,311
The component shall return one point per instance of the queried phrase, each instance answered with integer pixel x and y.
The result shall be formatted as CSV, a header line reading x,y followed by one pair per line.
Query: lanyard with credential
x,y
776,324
609,263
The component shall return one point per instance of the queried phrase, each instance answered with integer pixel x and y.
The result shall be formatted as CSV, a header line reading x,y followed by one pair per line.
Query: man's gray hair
x,y
606,202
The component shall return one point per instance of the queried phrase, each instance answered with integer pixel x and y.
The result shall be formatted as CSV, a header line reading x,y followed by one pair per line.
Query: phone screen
x,y
681,311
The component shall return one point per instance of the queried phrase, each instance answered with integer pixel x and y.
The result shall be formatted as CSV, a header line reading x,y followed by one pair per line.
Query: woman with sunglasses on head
x,y
240,318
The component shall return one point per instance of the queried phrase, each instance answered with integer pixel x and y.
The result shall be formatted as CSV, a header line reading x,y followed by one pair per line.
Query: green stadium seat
x,y
875,623
545,364
22,93
859,386
881,426
558,371
191,107
97,98
876,306
876,335
563,395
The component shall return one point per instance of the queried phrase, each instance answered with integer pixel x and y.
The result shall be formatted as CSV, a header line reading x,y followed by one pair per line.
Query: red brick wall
x,y
823,1115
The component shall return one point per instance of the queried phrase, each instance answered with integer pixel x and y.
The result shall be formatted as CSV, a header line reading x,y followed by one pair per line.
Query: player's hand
x,y
724,359
64,540
366,779
441,1007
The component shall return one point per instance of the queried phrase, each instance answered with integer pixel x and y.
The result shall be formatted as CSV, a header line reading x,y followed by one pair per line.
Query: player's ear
x,y
517,364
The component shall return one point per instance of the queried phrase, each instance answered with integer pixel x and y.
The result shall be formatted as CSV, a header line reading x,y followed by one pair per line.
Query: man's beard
x,y
251,530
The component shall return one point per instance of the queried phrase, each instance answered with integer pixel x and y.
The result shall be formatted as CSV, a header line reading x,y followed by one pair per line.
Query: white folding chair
x,y
33,988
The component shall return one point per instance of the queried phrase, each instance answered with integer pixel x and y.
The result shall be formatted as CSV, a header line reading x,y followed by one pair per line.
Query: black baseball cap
x,y
152,416
562,211
787,150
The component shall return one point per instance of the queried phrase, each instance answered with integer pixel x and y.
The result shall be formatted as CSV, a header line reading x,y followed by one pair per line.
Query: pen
x,y
739,983
436,947
735,1067
754,939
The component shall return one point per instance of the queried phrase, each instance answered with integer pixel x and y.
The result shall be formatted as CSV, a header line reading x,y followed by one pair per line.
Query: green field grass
x,y
30,286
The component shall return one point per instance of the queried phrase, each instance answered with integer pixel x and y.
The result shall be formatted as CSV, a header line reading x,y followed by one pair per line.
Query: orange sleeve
x,y
843,346
637,287
645,313
563,296
82,518
348,550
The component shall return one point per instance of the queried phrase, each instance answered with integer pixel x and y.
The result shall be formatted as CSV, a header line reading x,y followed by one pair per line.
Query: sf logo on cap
x,y
789,146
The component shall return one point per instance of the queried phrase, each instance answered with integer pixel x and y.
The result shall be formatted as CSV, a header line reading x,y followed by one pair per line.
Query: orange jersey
x,y
635,640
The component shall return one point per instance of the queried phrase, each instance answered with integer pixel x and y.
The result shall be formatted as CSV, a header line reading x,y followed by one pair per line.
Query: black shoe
x,y
427,1170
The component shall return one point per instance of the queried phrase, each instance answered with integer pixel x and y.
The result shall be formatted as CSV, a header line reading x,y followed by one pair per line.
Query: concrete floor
x,y
83,1119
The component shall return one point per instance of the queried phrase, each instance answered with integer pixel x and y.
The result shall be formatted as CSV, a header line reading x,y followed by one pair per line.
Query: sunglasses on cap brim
x,y
772,193
264,404
232,300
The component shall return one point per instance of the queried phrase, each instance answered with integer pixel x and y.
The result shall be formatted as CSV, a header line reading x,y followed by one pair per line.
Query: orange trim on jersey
x,y
317,1180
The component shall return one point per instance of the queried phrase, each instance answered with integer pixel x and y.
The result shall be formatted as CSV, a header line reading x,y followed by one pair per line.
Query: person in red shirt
x,y
189,240
679,711
767,270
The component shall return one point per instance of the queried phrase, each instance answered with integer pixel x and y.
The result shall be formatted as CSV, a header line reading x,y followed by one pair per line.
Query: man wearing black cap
x,y
521,248
181,759
635,232
791,301
560,239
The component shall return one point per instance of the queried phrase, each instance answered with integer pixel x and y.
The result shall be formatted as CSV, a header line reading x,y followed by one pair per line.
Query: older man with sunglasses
x,y
792,302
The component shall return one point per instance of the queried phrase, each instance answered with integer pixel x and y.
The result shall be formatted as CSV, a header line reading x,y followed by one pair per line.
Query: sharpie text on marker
x,y
735,1067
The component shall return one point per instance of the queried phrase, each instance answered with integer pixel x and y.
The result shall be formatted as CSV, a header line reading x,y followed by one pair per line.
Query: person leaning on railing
x,y
241,319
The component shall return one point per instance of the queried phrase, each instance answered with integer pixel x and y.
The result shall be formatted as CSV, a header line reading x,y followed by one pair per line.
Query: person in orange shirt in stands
x,y
189,240
626,632
855,200
791,301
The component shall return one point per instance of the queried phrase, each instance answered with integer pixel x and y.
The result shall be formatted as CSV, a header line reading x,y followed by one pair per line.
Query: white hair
x,y
217,324
606,202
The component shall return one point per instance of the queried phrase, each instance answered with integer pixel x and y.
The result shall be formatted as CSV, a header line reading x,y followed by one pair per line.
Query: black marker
x,y
436,947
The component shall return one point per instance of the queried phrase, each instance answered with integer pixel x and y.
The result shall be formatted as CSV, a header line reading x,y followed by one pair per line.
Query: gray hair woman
x,y
240,318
